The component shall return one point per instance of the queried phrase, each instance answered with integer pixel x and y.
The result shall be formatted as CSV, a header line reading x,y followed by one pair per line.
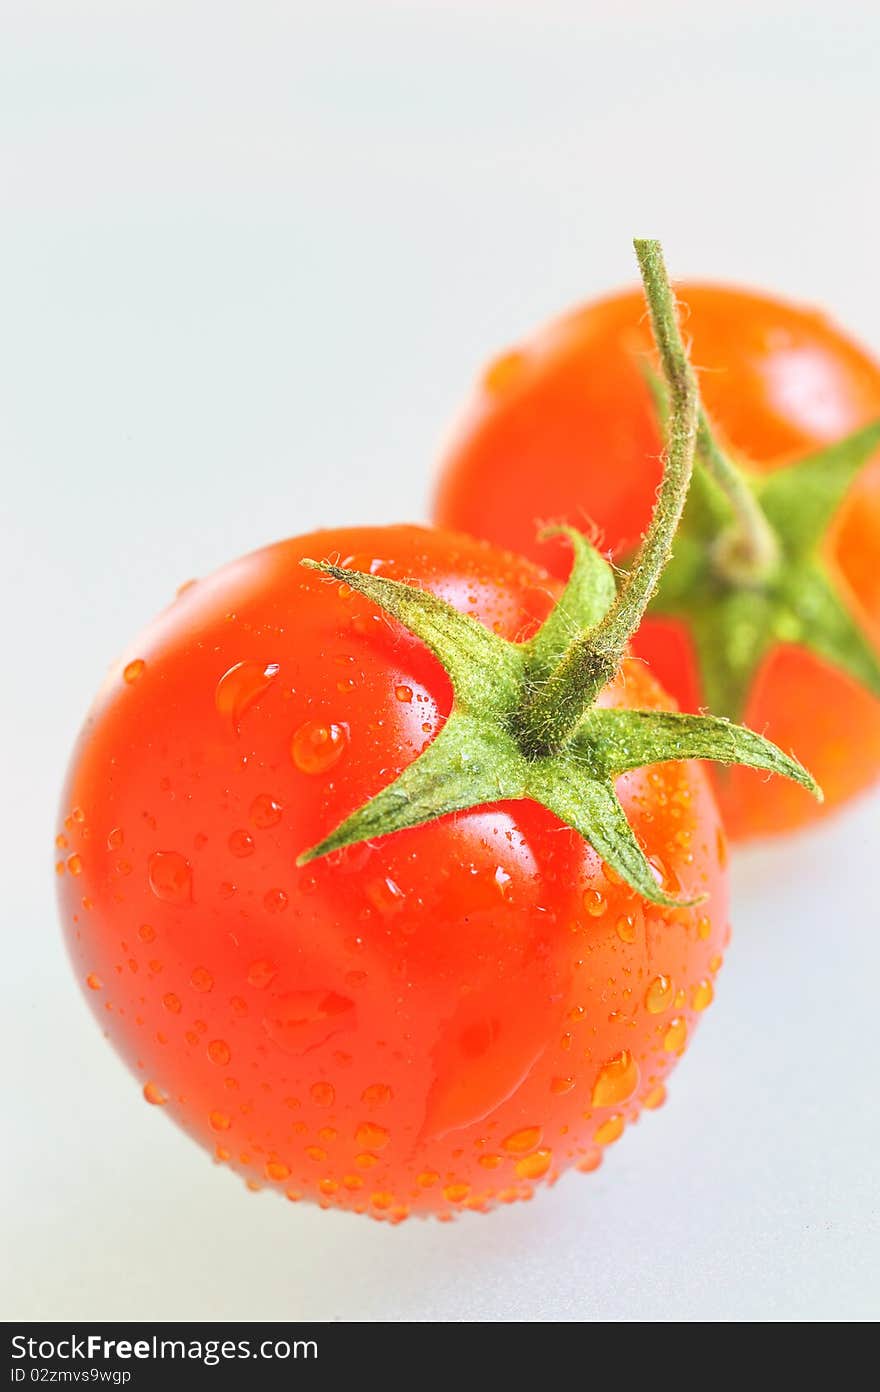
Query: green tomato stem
x,y
748,551
593,659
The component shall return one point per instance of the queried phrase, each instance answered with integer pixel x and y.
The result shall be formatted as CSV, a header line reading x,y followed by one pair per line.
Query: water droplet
x,y
275,901
276,1169
535,1165
366,1161
316,1152
427,1179
675,1037
146,933
265,811
316,747
610,1131
503,371
78,815
324,1095
595,903
201,979
404,693
371,1136
721,846
219,1052
94,982
617,1080
386,895
518,1142
241,843
376,1094
703,995
261,974
382,1200
626,928
561,1085
491,1162
659,995
704,928
115,839
328,1186
170,877
154,1094
352,1181
655,1098
241,686
591,1161
220,1121
456,1193
715,963
133,670
301,1020
75,864
61,841
172,1002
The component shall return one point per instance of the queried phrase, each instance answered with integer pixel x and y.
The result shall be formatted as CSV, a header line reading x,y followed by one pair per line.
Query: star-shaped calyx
x,y
751,567
525,722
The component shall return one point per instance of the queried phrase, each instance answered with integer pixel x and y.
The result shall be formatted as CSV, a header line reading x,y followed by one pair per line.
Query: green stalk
x,y
592,661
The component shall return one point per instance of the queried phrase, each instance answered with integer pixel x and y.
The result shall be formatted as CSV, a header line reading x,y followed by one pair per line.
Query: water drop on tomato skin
x,y
595,903
534,1166
456,1193
659,995
170,877
376,1094
617,1081
241,686
609,1131
276,1169
154,1095
219,1052
265,812
520,1142
371,1136
675,1038
703,994
315,747
241,843
261,974
133,670
386,896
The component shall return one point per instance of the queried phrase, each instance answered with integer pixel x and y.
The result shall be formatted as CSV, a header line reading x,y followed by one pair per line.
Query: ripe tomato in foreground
x,y
435,1021
387,888
565,427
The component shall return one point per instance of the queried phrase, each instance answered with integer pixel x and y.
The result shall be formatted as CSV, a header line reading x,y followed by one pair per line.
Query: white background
x,y
251,256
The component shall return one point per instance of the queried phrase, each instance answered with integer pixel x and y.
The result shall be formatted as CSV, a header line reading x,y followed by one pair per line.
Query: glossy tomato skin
x,y
434,1022
563,428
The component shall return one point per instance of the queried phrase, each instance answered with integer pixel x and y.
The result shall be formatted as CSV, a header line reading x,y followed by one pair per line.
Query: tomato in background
x,y
564,427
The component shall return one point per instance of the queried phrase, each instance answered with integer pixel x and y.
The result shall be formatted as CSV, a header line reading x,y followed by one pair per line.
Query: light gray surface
x,y
250,257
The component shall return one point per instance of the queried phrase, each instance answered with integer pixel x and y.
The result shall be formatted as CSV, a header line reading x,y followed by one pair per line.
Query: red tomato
x,y
564,428
435,1021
